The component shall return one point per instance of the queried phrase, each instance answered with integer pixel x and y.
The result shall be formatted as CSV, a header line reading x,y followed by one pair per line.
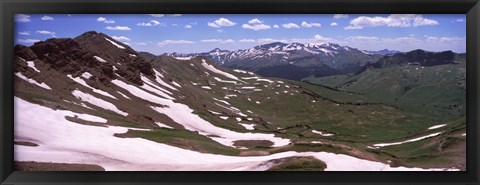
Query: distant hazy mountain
x,y
382,52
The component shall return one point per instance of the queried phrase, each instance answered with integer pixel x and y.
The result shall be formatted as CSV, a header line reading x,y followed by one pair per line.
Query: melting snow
x,y
114,43
250,78
42,85
408,141
82,82
100,59
238,119
206,87
244,72
163,125
31,64
183,58
86,75
224,81
132,55
125,96
248,126
437,126
248,87
217,113
223,101
265,80
224,117
215,70
69,142
176,84
138,92
151,85
321,133
97,102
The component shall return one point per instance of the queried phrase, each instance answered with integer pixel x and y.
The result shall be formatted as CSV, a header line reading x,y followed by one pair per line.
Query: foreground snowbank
x,y
62,141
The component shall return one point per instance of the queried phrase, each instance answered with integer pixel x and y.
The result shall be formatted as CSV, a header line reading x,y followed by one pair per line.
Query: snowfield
x,y
62,141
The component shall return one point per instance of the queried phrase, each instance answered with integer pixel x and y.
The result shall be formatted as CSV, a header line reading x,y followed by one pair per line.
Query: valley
x,y
91,100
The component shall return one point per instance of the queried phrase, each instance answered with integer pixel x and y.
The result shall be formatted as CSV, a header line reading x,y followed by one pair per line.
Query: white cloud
x,y
24,33
118,28
47,18
334,24
121,38
309,25
127,43
321,39
254,21
290,26
256,27
175,15
393,20
188,26
150,23
256,24
45,32
458,20
170,42
276,26
140,43
22,18
218,41
221,23
247,40
157,15
340,16
105,20
364,39
219,30
270,40
27,41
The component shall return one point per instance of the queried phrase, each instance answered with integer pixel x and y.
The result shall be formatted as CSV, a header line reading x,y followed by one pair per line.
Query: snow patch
x,y
82,82
407,141
206,87
100,59
248,126
163,125
115,44
215,70
224,81
42,85
437,126
321,133
31,64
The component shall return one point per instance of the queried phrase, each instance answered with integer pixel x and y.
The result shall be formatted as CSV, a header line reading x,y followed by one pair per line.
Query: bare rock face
x,y
81,54
128,62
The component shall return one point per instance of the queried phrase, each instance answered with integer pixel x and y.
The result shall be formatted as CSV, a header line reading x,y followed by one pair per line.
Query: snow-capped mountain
x,y
275,59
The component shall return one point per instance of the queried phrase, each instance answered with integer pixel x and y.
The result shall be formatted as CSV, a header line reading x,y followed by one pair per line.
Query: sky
x,y
193,33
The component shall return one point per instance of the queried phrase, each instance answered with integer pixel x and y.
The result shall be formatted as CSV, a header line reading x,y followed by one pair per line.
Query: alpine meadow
x,y
269,92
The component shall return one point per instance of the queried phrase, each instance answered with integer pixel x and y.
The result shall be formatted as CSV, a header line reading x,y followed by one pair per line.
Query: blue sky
x,y
188,33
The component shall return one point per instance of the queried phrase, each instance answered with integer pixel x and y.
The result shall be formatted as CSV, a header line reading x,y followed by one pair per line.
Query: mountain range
x,y
91,100
296,61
